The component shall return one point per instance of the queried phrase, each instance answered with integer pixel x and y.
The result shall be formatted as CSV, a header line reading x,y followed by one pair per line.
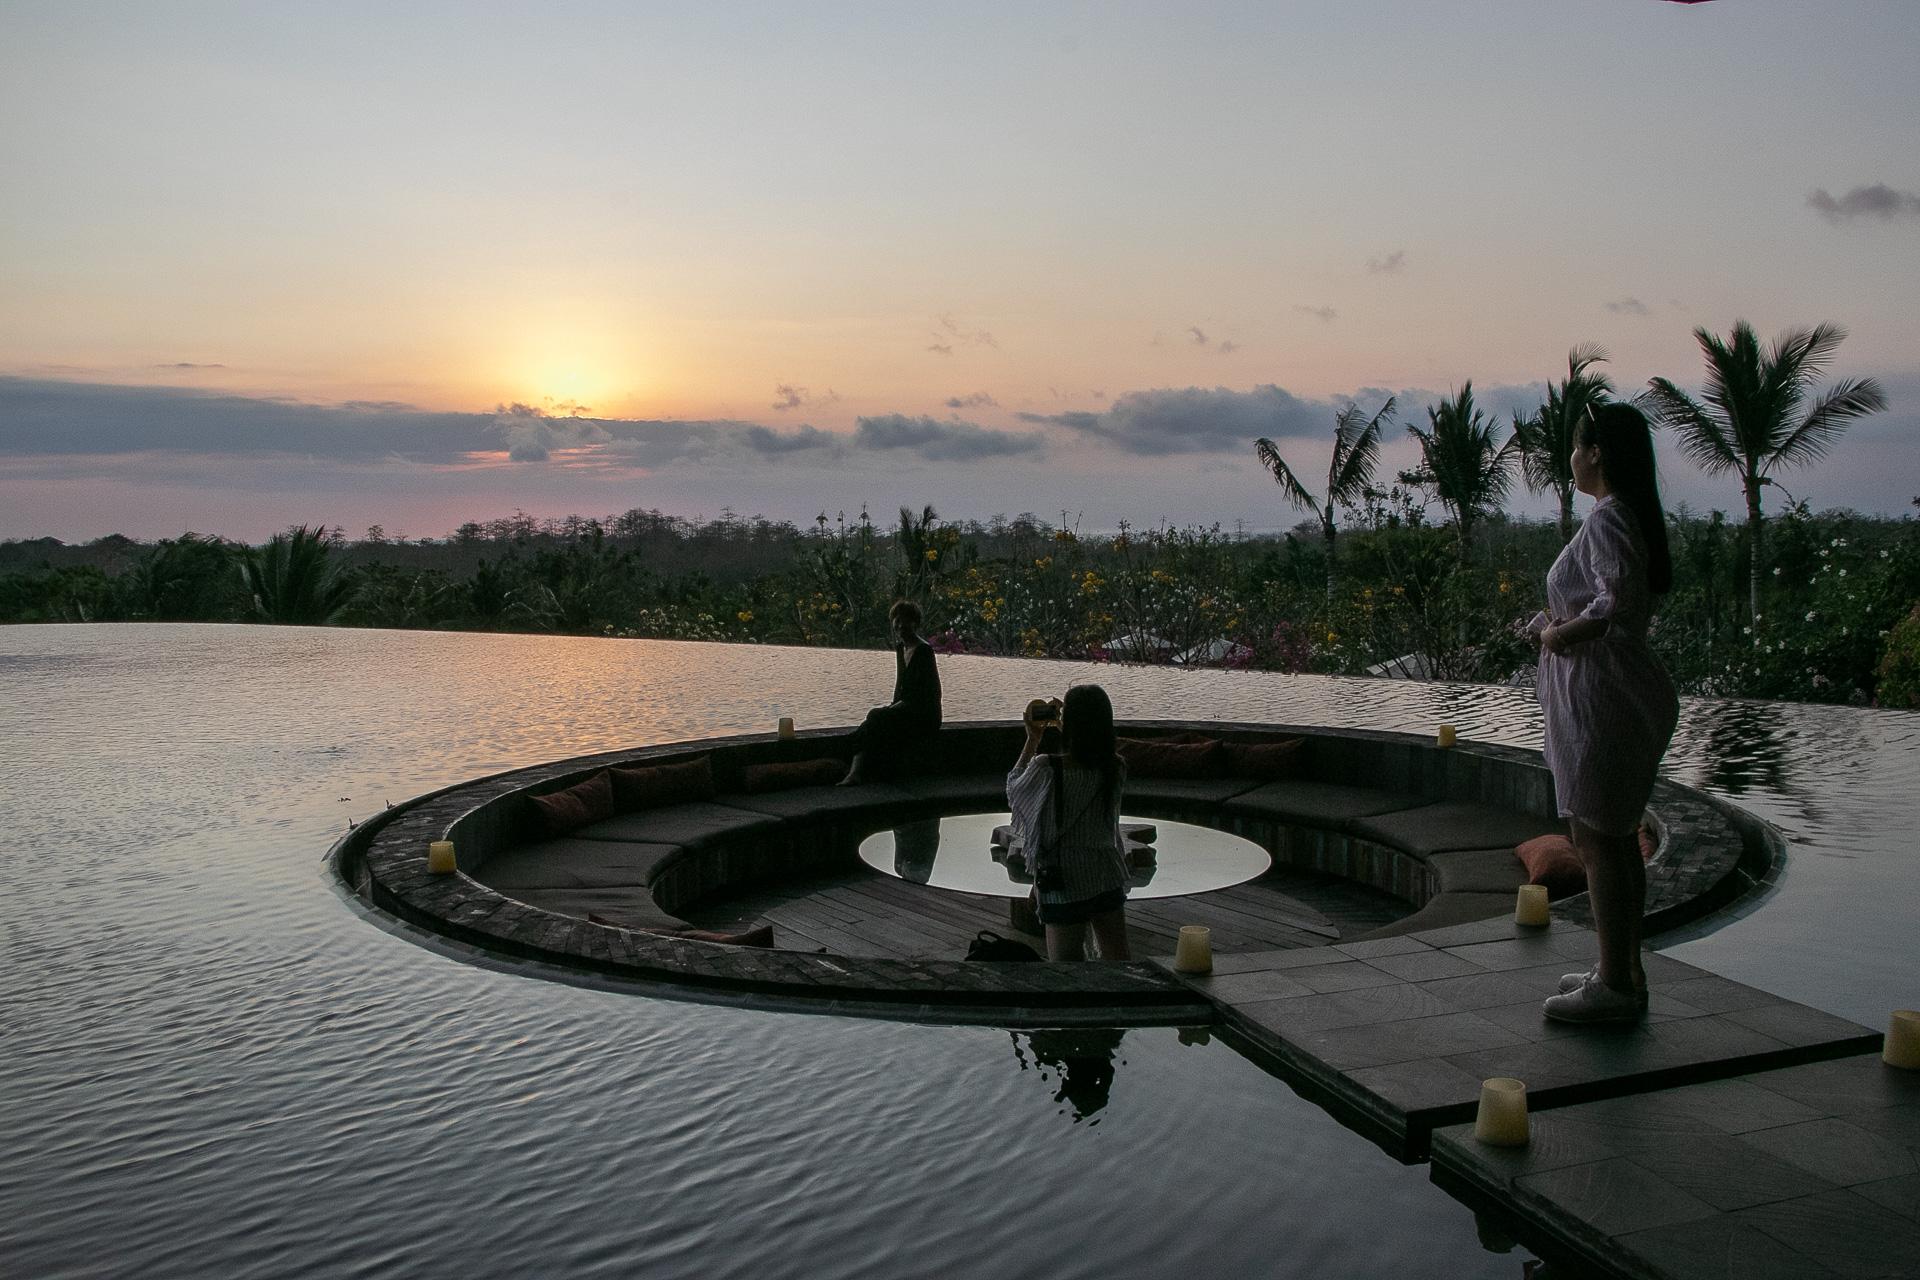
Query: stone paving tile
x,y
1379,1044
1711,994
1424,1084
1309,1012
1424,966
1480,991
1900,1195
1349,976
1404,945
1249,961
1261,984
1840,1152
1615,1196
1722,1249
1844,1230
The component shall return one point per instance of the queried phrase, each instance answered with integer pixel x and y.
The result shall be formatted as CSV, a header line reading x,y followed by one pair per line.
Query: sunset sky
x,y
266,264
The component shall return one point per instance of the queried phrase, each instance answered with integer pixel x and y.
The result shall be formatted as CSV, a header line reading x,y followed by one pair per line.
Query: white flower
x,y
1843,573
1776,572
1809,615
1746,631
1843,631
1825,552
1883,555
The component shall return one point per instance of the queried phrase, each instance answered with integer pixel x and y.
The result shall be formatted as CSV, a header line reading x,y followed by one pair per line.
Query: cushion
x,y
633,906
1649,843
1442,910
761,936
1265,761
1154,758
657,785
1478,871
823,801
1187,791
1453,824
1319,804
694,825
572,863
960,792
756,778
584,802
1551,861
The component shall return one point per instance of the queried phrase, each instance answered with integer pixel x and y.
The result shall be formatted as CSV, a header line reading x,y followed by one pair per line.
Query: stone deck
x,y
1808,1171
1396,1034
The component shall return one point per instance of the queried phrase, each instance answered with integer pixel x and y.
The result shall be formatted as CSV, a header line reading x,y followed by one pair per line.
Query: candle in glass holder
x,y
1448,737
440,856
1194,954
1903,1040
1502,1121
1530,908
786,726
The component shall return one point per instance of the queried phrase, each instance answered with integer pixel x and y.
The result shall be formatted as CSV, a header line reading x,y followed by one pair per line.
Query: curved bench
x,y
1434,826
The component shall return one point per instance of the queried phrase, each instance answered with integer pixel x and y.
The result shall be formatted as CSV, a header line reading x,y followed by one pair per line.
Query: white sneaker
x,y
1594,1001
1574,981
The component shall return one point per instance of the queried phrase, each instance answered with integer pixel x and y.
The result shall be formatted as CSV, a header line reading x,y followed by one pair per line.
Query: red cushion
x,y
1551,861
662,784
758,937
1649,843
756,778
1157,758
1266,761
584,802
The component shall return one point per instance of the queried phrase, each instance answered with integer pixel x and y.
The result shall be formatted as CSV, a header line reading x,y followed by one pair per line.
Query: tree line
x,y
1426,575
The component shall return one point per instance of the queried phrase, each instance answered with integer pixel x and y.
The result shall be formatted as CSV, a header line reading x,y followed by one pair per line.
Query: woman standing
x,y
914,713
1610,708
1067,808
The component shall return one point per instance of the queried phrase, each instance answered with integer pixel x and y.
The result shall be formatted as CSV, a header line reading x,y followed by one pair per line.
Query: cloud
x,y
977,400
182,364
768,441
789,397
1877,201
532,434
1228,347
1199,338
1194,420
948,334
1325,315
938,441
1388,264
1628,307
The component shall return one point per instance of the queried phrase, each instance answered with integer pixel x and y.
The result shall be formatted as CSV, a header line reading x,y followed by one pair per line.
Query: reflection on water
x,y
214,1067
1740,747
915,845
1080,1064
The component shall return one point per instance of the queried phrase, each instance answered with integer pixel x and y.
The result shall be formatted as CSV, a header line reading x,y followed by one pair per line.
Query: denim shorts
x,y
1083,910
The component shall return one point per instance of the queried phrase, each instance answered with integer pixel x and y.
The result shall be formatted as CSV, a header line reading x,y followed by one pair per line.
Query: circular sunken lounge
x,y
607,863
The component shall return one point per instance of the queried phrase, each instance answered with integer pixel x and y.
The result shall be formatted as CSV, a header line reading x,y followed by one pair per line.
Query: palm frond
x,y
1290,486
1350,477
1809,442
1703,438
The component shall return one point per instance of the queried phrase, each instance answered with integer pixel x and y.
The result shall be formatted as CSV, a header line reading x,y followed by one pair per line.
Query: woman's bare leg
x,y
1110,933
1066,942
1617,887
856,771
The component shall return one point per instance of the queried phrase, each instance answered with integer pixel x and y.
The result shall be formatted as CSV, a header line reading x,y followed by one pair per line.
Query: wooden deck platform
x,y
865,913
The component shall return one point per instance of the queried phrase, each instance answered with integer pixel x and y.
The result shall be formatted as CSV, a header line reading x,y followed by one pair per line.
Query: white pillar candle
x,y
1194,954
786,726
1502,1121
1903,1040
440,856
1530,908
1448,736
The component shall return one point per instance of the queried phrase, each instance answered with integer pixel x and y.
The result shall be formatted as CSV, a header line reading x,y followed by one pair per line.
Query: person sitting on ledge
x,y
1067,808
914,714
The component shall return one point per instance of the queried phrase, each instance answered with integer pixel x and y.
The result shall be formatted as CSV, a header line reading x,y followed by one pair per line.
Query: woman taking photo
x,y
1610,708
1067,809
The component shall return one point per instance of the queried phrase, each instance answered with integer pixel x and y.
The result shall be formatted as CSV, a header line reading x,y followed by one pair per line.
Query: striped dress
x,y
1609,706
1092,853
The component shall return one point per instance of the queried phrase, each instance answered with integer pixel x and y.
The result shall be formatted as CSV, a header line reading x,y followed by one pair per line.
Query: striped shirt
x,y
1091,853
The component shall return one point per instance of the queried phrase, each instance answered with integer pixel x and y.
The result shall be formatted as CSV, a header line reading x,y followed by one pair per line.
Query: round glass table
x,y
973,853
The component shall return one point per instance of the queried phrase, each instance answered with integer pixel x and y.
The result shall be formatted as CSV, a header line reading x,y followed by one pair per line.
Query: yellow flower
x,y
932,555
746,615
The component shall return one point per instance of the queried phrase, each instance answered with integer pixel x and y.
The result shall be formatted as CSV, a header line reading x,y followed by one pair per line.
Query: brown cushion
x,y
662,784
584,802
1265,761
758,937
1156,758
1649,843
1551,861
756,778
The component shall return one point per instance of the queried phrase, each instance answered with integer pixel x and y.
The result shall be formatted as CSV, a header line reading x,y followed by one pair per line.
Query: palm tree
x,y
1546,438
291,581
1467,469
1356,451
1752,422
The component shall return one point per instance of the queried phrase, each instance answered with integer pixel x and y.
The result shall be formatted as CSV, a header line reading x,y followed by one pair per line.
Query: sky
x,y
416,264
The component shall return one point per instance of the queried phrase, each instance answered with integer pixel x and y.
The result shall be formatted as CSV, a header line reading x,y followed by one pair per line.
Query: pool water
x,y
214,1066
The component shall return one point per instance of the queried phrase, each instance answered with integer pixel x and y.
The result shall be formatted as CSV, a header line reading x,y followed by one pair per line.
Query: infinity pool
x,y
214,1066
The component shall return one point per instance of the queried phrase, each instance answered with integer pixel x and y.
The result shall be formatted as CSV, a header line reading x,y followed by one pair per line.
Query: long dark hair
x,y
1620,433
1088,735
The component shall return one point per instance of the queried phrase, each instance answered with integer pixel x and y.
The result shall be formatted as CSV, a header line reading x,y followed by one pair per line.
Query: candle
x,y
440,856
786,726
1502,1121
1530,908
1903,1040
1447,736
1195,952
